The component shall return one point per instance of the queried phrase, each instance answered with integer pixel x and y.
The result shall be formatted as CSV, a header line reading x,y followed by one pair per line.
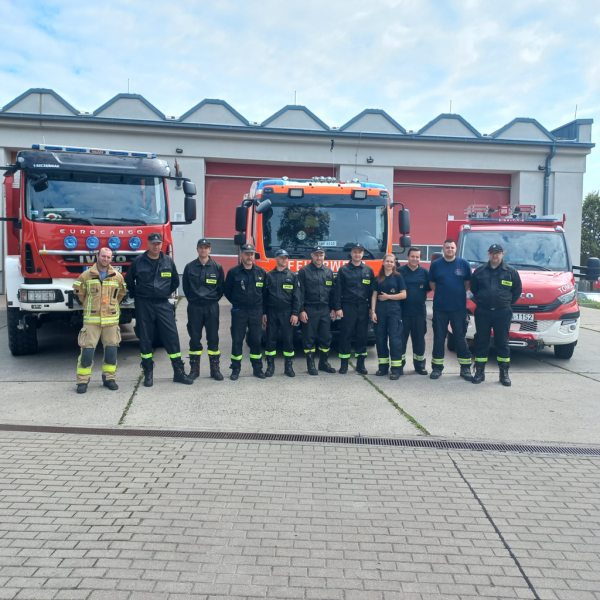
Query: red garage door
x,y
432,195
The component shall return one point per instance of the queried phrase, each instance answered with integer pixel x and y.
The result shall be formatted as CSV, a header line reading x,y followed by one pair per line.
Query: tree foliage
x,y
590,227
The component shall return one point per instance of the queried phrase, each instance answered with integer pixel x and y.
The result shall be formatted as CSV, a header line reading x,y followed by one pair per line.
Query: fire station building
x,y
436,171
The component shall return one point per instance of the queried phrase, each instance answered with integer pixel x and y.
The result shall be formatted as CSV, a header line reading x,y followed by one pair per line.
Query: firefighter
x,y
388,290
449,278
414,313
352,297
203,282
151,279
316,314
100,290
281,305
495,287
244,290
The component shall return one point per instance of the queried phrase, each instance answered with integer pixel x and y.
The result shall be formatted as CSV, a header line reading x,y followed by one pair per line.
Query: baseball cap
x,y
281,252
203,242
495,248
247,248
358,245
154,238
318,249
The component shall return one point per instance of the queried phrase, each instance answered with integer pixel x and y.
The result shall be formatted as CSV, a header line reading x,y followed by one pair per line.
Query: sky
x,y
493,60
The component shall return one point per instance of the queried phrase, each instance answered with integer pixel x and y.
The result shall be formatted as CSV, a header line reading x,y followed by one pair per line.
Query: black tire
x,y
21,342
450,342
564,351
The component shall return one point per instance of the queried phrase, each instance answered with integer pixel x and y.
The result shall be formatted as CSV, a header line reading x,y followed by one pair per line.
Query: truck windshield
x,y
526,250
98,199
300,227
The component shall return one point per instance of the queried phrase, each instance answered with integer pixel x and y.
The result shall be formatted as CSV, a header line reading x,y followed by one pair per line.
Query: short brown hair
x,y
413,249
449,241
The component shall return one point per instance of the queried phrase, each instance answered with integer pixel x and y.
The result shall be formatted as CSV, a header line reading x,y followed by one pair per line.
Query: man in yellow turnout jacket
x,y
100,290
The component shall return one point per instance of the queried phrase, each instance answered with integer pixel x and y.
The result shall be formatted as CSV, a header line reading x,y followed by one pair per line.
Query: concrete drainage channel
x,y
312,439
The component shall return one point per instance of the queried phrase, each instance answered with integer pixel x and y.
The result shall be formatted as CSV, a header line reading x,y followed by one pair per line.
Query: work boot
x,y
215,371
194,366
324,363
396,373
82,388
257,367
289,369
465,372
504,378
384,369
111,384
360,366
479,372
343,366
148,366
179,375
310,364
270,366
235,367
435,372
420,367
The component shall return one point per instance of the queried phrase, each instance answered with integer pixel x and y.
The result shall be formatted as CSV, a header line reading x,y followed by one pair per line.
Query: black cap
x,y
318,249
281,252
247,248
153,238
203,242
358,245
495,248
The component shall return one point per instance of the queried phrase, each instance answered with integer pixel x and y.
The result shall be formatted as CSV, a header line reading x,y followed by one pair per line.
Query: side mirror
x,y
435,256
241,220
41,183
263,207
405,241
189,188
592,272
189,209
239,239
404,221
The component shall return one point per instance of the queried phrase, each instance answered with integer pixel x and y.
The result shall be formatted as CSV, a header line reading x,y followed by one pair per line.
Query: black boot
x,y
289,369
270,366
420,367
396,373
324,363
436,372
179,375
257,367
194,366
111,384
235,367
465,372
82,388
310,364
215,370
504,378
479,372
343,366
360,366
148,366
384,369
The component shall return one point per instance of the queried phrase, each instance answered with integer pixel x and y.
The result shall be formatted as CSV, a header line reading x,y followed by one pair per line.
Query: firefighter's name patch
x,y
213,281
166,274
329,283
367,281
259,284
287,286
504,282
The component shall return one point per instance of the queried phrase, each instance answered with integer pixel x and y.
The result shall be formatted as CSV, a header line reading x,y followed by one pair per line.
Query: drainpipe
x,y
548,170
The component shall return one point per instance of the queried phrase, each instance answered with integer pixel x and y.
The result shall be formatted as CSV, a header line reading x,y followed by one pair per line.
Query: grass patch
x,y
589,303
126,409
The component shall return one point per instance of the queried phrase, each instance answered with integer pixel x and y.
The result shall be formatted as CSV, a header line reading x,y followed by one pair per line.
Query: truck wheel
x,y
564,350
21,341
450,342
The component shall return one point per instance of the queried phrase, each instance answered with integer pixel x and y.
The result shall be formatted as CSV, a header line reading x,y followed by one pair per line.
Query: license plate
x,y
117,268
523,317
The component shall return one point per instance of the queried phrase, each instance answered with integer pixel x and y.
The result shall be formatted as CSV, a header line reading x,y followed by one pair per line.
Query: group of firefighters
x,y
277,300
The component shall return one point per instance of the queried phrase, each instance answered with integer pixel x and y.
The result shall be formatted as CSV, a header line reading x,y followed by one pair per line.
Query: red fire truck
x,y
62,204
547,313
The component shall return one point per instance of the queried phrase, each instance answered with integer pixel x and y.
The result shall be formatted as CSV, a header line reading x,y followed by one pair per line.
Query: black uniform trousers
x,y
458,321
153,316
416,328
203,316
278,320
250,320
498,319
317,330
388,328
354,323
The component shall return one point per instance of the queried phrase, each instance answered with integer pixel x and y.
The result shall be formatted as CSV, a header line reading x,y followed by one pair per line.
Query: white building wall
x,y
567,199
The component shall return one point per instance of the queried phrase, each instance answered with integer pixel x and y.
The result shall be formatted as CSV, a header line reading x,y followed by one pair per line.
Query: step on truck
x,y
62,204
547,314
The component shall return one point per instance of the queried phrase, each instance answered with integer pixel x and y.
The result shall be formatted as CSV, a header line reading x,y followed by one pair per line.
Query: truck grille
x,y
535,326
536,308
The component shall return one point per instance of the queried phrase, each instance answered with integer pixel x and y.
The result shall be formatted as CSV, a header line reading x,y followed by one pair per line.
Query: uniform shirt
x,y
392,284
281,291
496,288
152,279
449,278
353,284
244,287
316,285
417,287
203,284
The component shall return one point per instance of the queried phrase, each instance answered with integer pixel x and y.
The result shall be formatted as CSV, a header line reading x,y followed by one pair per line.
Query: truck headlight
x,y
568,297
38,296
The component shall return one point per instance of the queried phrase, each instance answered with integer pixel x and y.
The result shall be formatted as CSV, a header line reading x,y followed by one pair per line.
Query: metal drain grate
x,y
315,439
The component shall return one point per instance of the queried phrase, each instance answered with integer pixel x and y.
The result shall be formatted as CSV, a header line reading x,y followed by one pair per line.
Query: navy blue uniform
x,y
414,313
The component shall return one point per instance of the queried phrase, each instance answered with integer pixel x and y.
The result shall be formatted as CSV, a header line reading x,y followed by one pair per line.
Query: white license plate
x,y
117,268
523,317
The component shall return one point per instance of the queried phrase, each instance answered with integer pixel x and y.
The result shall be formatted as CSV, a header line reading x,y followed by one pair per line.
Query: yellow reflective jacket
x,y
100,299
